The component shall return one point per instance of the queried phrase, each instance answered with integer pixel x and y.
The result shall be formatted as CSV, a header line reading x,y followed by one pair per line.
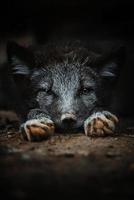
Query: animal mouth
x,y
69,128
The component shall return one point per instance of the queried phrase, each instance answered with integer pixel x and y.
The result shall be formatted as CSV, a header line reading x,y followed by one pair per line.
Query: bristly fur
x,y
63,78
74,52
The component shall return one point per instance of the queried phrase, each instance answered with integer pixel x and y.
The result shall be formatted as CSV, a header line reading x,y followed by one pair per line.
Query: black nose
x,y
68,120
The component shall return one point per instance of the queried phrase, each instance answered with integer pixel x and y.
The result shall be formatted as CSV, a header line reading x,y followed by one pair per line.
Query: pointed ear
x,y
20,58
111,65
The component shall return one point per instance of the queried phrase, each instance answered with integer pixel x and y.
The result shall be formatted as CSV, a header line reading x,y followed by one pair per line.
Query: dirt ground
x,y
66,166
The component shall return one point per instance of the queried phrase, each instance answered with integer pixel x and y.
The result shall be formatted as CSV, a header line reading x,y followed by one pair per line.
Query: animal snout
x,y
68,119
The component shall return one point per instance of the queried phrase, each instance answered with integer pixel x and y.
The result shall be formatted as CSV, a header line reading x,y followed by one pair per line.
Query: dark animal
x,y
65,87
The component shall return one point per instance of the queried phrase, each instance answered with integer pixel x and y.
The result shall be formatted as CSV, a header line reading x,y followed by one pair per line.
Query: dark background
x,y
60,166
105,22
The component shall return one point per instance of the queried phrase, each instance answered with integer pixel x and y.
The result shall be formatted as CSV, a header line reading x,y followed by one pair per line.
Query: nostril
x,y
68,119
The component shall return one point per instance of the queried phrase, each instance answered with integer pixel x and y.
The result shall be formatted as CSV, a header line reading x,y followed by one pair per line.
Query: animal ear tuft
x,y
20,58
113,63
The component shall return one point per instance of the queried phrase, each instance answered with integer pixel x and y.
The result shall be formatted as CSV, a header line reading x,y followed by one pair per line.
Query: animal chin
x,y
69,128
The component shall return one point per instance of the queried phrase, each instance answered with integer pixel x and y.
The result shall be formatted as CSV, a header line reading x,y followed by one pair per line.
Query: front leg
x,y
100,124
37,127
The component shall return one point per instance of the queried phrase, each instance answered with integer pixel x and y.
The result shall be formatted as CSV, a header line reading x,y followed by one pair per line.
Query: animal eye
x,y
47,92
85,91
42,90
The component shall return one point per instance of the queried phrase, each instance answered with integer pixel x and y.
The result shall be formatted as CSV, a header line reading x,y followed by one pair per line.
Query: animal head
x,y
67,83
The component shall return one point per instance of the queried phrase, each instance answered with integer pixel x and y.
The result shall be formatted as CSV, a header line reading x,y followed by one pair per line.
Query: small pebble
x,y
111,154
25,156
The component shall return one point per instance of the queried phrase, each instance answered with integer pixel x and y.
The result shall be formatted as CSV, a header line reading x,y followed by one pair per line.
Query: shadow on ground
x,y
67,166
